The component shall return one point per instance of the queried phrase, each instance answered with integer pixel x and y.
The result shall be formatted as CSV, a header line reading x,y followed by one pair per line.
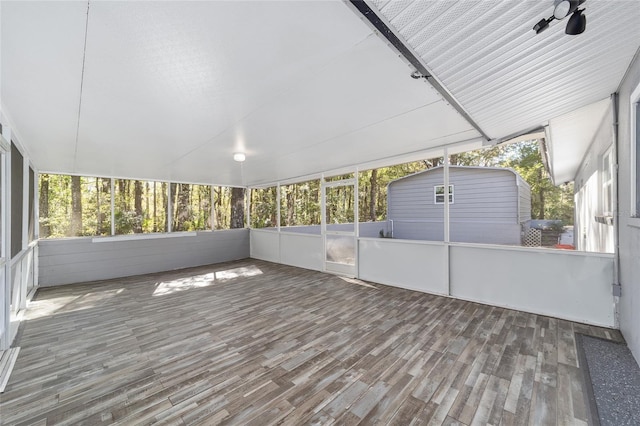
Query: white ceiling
x,y
570,137
171,89
506,77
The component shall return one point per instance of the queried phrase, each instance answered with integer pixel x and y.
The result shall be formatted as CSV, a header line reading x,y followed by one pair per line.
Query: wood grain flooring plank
x,y
286,346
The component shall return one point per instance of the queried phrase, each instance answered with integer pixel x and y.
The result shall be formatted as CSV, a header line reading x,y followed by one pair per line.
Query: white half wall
x,y
265,245
302,250
570,285
73,260
414,265
289,248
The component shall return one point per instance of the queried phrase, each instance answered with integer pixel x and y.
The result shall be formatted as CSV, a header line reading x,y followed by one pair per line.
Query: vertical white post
x,y
278,196
36,205
25,232
447,257
113,206
446,195
8,278
247,202
169,208
356,221
323,222
213,210
5,309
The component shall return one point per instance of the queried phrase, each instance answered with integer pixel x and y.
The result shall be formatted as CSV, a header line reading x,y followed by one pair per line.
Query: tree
x,y
237,208
76,207
138,206
45,224
373,194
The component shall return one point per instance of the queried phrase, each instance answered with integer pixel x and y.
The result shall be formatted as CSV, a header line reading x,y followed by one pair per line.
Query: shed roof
x,y
494,169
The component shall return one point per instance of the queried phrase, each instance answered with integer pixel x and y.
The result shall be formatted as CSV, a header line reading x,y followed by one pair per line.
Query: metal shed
x,y
487,205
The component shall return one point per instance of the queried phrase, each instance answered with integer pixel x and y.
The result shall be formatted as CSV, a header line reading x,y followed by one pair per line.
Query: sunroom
x,y
180,173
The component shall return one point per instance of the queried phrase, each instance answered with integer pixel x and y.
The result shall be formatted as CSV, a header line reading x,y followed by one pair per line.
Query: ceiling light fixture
x,y
239,157
563,8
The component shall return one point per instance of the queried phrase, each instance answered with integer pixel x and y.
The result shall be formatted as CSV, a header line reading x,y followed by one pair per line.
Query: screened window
x,y
438,194
191,207
74,206
264,207
635,185
228,207
32,219
300,204
17,187
140,206
607,184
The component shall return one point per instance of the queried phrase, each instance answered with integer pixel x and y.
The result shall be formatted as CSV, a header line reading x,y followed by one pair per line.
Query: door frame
x,y
335,267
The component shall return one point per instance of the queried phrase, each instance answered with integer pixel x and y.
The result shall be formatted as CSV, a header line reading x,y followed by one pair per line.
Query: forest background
x,y
81,206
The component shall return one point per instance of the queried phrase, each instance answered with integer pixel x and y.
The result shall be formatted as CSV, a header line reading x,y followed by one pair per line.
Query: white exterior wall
x,y
629,228
590,235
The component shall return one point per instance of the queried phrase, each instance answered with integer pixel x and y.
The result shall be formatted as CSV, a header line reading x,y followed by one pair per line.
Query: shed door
x,y
338,226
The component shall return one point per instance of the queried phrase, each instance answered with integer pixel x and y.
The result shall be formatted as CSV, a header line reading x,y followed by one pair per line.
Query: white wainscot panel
x,y
265,245
301,250
407,264
570,285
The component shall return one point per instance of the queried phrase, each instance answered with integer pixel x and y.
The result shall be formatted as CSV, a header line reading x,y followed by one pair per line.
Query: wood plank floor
x,y
252,342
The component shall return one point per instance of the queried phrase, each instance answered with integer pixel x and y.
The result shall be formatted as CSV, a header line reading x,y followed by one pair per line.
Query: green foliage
x,y
300,204
81,206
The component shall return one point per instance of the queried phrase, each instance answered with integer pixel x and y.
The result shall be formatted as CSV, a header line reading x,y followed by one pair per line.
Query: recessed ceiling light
x,y
239,157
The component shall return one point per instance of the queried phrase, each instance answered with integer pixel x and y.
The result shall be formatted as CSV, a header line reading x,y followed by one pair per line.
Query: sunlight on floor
x,y
44,308
357,282
205,280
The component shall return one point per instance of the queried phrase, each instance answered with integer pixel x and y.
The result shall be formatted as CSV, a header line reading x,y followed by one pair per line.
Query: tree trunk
x,y
373,194
217,204
290,206
45,226
541,195
76,207
122,191
165,205
237,208
137,205
155,208
98,212
182,207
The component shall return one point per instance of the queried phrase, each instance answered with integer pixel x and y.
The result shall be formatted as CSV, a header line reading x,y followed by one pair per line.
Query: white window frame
x,y
634,111
606,185
435,194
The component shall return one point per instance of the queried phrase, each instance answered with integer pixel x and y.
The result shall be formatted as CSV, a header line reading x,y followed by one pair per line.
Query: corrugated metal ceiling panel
x,y
509,79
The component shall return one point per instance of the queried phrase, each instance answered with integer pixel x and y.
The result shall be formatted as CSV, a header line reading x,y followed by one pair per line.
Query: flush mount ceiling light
x,y
239,157
563,8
